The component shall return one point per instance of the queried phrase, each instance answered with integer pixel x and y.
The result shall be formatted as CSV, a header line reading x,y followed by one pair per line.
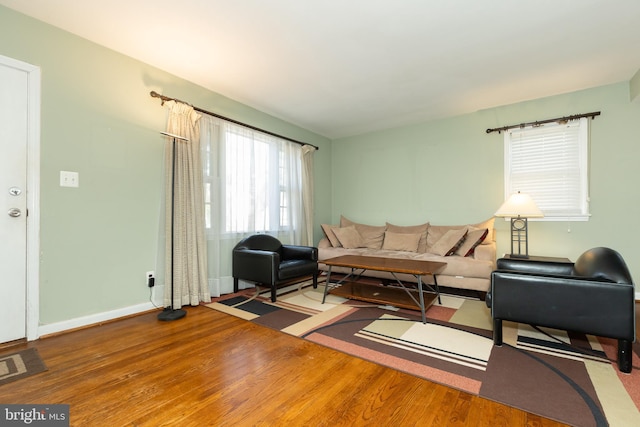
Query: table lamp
x,y
519,207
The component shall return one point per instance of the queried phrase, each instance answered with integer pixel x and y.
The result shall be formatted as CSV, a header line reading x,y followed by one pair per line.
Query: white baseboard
x,y
92,319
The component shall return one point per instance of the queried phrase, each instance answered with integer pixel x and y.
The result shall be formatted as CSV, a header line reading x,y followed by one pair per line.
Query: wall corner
x,y
634,87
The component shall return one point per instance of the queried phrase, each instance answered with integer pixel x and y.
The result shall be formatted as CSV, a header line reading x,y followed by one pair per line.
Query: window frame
x,y
279,213
542,135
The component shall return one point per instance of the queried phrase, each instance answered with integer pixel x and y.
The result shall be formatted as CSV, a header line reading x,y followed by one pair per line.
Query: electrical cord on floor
x,y
304,294
151,298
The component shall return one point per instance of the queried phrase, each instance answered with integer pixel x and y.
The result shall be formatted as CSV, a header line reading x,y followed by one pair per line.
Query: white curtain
x,y
253,184
307,194
189,258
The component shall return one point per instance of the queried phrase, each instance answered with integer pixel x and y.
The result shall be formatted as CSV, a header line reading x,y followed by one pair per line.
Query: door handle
x,y
15,212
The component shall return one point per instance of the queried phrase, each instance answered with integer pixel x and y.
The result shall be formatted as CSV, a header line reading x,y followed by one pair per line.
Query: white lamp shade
x,y
519,205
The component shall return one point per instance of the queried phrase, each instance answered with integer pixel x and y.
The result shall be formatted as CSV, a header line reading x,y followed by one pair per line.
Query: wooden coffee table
x,y
400,295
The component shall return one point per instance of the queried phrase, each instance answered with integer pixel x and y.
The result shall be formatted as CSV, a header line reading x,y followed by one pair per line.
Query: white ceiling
x,y
345,67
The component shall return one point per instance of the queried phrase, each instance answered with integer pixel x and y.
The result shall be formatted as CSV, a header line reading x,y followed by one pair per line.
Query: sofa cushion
x,y
401,241
457,266
328,231
412,229
372,235
449,242
348,237
471,241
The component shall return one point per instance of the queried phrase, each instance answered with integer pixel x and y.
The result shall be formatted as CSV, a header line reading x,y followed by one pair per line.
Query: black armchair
x,y
595,295
261,258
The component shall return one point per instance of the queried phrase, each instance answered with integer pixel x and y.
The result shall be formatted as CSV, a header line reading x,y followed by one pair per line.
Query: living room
x,y
408,175
97,118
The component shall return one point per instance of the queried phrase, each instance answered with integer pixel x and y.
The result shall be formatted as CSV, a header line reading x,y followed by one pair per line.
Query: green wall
x,y
97,118
451,172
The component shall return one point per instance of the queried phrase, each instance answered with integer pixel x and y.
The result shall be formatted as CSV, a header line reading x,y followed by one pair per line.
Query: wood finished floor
x,y
212,369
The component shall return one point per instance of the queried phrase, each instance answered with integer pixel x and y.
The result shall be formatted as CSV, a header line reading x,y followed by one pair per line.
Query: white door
x,y
14,196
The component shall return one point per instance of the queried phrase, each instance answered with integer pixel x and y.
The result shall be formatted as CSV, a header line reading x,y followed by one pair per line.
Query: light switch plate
x,y
69,179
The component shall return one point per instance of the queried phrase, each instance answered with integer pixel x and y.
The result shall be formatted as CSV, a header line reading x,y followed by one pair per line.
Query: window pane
x,y
252,180
549,163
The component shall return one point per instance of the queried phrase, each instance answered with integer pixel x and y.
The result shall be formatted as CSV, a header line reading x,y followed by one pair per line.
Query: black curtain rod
x,y
155,94
541,122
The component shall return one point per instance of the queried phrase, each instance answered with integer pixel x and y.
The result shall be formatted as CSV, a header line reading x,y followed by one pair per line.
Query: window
x,y
252,180
550,163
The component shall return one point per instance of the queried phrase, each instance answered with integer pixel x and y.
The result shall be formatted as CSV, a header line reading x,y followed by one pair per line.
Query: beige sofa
x,y
469,250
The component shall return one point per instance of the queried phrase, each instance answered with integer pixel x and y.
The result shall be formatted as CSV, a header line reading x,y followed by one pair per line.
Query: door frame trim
x,y
33,193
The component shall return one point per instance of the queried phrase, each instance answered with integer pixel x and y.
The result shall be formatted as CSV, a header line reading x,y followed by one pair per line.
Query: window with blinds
x,y
550,163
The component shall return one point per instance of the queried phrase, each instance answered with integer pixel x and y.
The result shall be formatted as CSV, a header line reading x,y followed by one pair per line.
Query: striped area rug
x,y
562,376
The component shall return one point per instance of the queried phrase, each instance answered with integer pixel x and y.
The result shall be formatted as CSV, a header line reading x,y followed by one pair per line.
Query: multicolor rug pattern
x,y
20,364
562,376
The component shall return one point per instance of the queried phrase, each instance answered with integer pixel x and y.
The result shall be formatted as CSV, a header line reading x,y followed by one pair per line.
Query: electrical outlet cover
x,y
69,179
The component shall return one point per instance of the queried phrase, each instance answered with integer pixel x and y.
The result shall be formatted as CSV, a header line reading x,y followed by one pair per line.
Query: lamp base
x,y
169,314
519,256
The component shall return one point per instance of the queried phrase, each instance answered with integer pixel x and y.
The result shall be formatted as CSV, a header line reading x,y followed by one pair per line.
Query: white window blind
x,y
550,163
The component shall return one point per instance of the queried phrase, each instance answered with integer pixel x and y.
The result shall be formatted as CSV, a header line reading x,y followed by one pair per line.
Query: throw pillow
x,y
401,241
348,237
488,224
437,231
328,231
372,235
473,239
449,243
412,229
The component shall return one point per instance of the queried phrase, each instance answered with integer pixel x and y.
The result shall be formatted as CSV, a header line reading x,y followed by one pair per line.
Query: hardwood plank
x,y
460,411
214,369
